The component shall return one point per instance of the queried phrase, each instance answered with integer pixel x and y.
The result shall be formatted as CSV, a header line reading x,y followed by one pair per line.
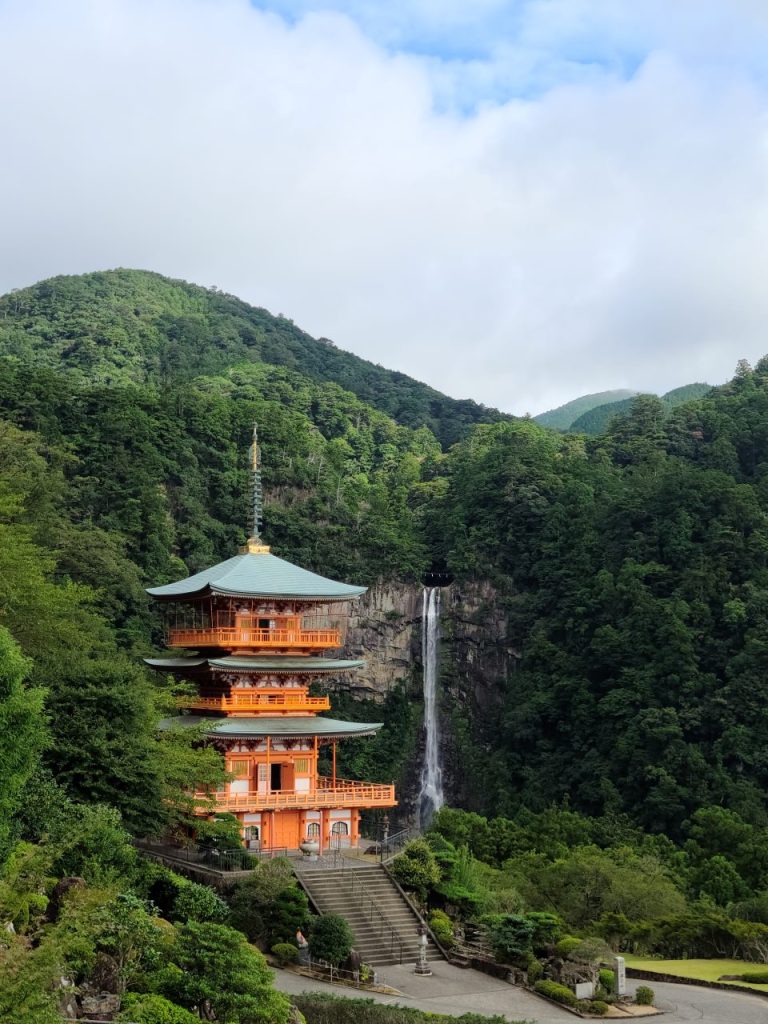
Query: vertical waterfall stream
x,y
431,794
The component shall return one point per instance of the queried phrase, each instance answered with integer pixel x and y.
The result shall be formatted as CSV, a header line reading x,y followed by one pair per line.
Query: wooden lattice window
x,y
302,765
240,768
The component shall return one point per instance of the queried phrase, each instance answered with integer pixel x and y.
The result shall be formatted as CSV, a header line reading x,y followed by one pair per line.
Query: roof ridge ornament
x,y
254,545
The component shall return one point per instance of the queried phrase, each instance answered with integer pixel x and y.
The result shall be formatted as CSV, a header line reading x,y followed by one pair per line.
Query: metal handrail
x,y
389,845
205,856
358,888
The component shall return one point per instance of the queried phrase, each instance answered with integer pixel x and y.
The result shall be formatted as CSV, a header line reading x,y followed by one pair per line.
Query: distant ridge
x,y
596,420
564,416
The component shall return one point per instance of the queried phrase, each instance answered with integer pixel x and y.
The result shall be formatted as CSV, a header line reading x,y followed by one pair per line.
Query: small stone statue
x,y
422,967
303,945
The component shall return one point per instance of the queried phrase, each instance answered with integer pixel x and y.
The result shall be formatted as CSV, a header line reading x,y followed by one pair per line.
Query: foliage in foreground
x,y
97,930
606,879
319,1008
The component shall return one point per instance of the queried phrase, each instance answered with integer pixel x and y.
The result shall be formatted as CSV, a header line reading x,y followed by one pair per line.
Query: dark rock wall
x,y
384,629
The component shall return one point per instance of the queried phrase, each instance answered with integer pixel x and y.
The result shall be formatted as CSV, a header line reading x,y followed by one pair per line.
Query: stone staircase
x,y
383,923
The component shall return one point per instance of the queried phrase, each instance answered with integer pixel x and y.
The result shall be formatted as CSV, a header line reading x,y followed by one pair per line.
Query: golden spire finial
x,y
254,544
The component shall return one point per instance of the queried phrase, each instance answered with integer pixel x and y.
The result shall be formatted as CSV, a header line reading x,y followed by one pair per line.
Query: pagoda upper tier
x,y
256,573
254,603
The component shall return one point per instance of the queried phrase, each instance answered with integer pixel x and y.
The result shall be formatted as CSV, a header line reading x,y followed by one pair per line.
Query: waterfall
x,y
431,794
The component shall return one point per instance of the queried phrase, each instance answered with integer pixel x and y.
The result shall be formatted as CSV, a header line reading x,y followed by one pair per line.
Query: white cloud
x,y
606,232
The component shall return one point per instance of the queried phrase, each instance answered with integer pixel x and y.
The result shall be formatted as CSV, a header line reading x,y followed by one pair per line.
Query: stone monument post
x,y
422,967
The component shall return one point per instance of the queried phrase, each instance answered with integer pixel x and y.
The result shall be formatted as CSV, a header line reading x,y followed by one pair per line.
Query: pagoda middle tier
x,y
251,685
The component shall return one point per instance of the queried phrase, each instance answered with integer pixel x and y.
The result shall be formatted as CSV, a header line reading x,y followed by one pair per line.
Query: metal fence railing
x,y
389,846
208,856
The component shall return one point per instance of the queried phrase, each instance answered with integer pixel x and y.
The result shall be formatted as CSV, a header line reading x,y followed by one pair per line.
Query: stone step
x,y
332,891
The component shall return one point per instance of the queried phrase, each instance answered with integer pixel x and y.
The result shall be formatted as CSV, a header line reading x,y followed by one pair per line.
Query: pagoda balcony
x,y
342,793
245,703
233,637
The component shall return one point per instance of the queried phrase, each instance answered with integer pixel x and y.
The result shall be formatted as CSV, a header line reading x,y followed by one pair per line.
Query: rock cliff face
x,y
384,629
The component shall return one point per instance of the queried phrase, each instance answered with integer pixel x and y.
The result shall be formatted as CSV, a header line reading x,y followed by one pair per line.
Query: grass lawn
x,y
700,970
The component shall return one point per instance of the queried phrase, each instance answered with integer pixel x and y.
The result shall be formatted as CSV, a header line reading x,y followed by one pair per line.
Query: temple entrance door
x,y
286,830
276,777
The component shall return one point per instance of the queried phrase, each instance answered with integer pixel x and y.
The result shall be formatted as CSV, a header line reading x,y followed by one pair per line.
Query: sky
x,y
516,201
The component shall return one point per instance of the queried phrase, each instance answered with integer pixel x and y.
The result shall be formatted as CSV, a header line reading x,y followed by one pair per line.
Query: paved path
x,y
455,991
708,1005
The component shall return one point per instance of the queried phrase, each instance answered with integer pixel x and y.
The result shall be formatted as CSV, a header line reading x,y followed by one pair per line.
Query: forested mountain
x,y
634,569
130,326
596,420
563,416
631,568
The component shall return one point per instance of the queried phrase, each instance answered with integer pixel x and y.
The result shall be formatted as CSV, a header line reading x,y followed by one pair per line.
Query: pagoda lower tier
x,y
276,791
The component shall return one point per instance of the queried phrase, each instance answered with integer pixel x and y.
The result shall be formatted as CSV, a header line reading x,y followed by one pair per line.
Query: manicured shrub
x,y
598,1007
590,950
196,902
154,1009
553,990
285,953
755,977
644,996
510,935
566,945
608,979
269,906
330,939
535,970
547,929
442,927
322,1008
416,868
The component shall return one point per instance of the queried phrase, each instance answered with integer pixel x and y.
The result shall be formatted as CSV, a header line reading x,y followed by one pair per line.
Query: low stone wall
x,y
675,979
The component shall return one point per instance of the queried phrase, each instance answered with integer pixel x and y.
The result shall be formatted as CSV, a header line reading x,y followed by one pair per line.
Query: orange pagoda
x,y
251,628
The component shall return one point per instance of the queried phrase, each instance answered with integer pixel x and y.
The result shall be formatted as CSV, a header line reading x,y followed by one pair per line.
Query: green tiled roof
x,y
325,728
258,575
257,663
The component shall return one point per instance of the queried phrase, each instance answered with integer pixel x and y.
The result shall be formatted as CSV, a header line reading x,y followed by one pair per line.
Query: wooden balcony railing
x,y
264,639
343,794
243,702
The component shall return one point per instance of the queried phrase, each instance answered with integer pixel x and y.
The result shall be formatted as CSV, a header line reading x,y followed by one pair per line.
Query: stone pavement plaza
x,y
453,990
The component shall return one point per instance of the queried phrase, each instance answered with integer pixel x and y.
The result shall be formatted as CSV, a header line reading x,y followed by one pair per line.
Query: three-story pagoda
x,y
251,626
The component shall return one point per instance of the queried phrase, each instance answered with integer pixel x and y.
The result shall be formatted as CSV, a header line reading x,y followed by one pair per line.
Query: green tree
x,y
212,968
330,939
416,868
268,906
199,903
148,1008
22,731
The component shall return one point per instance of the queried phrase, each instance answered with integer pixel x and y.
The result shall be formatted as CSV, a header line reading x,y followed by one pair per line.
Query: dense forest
x,y
126,326
632,567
